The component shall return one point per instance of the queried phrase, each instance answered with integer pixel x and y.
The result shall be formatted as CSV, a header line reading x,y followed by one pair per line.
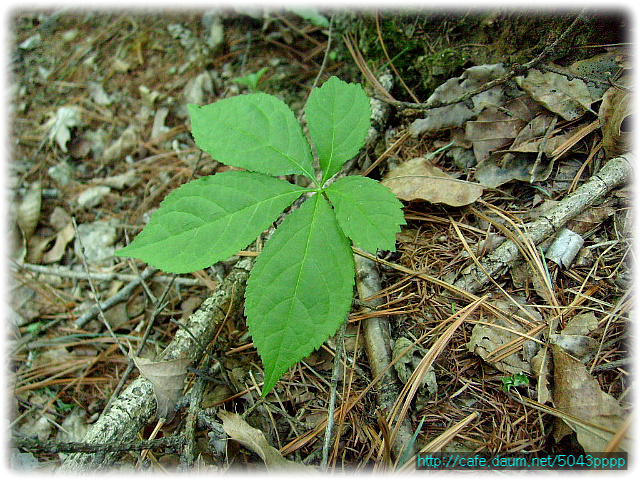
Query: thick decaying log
x,y
136,405
614,173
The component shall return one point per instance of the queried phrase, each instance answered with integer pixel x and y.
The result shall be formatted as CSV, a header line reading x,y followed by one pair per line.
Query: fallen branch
x,y
119,297
52,446
133,409
64,272
378,347
614,173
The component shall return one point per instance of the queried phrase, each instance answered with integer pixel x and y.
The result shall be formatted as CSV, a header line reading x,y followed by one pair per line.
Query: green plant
x,y
513,381
301,286
251,80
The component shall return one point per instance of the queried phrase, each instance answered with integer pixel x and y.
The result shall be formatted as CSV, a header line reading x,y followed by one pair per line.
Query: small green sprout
x,y
251,80
514,381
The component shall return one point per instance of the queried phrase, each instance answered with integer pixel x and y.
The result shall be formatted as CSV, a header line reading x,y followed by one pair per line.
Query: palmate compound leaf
x,y
258,132
338,116
300,288
210,219
368,212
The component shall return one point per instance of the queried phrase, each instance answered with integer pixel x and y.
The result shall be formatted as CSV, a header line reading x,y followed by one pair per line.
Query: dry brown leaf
x,y
167,378
63,237
616,107
568,98
458,113
28,212
486,339
581,324
419,179
124,145
128,179
578,394
540,365
254,439
498,127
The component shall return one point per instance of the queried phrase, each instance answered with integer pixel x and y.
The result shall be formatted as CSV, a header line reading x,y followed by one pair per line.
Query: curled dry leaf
x,y
128,179
254,439
615,114
124,145
578,394
564,247
419,179
63,237
167,378
28,212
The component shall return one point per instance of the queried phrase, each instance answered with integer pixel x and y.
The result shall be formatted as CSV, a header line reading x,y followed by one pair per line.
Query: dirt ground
x,y
99,135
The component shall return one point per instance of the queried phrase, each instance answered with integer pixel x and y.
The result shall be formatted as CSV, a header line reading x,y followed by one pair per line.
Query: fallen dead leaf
x,y
252,438
615,110
568,98
578,394
60,126
167,378
63,237
128,179
419,179
458,113
122,146
28,212
581,324
498,127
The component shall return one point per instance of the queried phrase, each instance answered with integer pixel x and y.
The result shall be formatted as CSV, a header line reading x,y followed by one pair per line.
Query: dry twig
x,y
378,346
614,173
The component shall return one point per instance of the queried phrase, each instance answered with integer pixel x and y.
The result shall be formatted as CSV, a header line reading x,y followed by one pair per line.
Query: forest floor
x,y
532,362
